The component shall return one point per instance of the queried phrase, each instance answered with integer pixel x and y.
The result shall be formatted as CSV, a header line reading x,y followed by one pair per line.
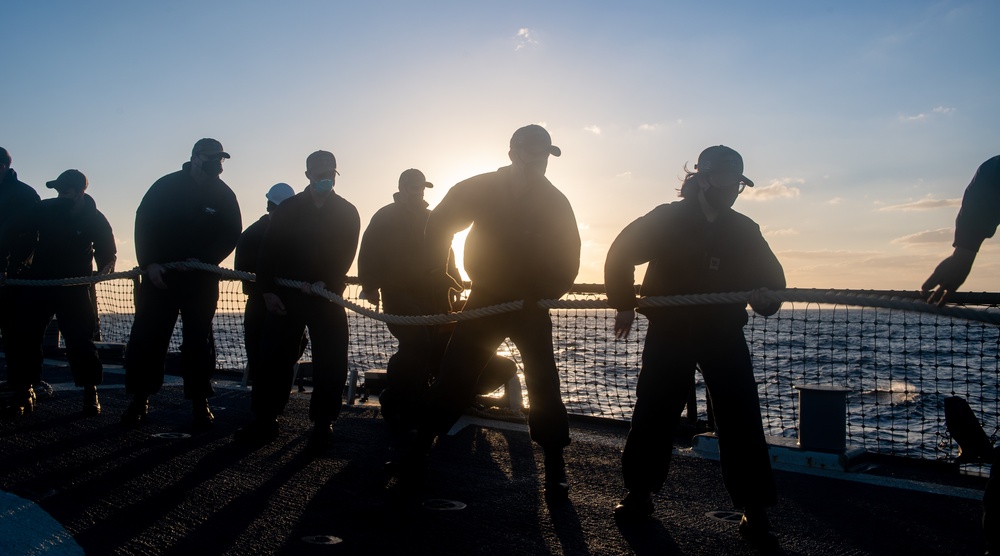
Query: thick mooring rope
x,y
832,297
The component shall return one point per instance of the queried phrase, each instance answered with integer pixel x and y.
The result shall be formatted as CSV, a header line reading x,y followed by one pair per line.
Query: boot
x,y
201,414
637,505
137,412
319,440
22,403
91,405
756,528
259,432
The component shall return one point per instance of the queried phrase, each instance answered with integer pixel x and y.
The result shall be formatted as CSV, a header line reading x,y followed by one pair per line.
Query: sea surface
x,y
897,367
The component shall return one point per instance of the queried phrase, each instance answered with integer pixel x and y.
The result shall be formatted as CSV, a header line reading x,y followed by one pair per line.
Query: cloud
x,y
923,116
524,38
942,235
780,232
626,174
648,127
779,189
593,129
927,203
835,201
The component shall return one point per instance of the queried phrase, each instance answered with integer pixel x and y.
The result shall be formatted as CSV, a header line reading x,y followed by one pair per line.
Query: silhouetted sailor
x,y
524,245
696,245
391,261
312,238
247,255
71,233
16,198
977,220
189,215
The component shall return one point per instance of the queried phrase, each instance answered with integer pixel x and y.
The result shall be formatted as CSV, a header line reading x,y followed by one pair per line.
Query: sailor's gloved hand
x,y
762,304
371,296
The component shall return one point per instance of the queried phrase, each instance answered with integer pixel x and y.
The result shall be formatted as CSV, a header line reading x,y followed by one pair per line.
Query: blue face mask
x,y
323,186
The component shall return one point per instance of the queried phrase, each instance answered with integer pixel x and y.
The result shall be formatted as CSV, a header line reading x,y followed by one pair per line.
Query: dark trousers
x,y
327,324
35,306
417,359
669,358
254,318
254,321
193,295
473,344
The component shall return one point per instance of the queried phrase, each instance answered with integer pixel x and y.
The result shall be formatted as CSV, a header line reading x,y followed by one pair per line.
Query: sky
x,y
860,122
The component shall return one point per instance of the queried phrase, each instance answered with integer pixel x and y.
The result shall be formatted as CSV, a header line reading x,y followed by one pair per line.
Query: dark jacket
x,y
179,219
980,214
16,199
391,258
689,255
69,240
519,247
309,243
248,251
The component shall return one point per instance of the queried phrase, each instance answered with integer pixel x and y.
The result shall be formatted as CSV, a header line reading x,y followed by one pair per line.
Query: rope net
x,y
898,359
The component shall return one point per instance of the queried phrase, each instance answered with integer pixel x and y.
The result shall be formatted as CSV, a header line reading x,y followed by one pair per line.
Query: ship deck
x,y
165,489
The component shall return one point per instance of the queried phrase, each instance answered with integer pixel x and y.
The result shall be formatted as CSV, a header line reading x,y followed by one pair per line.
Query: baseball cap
x,y
321,160
413,177
722,159
534,137
70,179
209,146
279,192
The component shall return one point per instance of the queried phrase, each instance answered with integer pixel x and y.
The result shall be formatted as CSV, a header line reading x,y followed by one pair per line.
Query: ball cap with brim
x,y
209,146
321,160
532,137
720,159
280,192
413,178
70,179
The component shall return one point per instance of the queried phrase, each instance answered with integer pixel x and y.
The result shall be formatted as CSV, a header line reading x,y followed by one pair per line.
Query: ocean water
x,y
898,367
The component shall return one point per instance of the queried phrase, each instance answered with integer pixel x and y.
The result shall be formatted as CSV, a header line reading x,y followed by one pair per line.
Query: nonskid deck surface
x,y
165,489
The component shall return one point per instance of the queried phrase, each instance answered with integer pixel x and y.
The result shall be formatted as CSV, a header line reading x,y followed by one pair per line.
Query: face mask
x,y
323,186
719,198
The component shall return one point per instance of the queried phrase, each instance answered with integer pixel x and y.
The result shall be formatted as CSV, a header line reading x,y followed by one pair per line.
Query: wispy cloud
x,y
779,189
626,174
924,116
768,232
835,201
649,127
927,203
593,129
525,38
943,235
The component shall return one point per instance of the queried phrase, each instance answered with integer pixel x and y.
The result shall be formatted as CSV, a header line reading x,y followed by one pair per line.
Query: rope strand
x,y
833,297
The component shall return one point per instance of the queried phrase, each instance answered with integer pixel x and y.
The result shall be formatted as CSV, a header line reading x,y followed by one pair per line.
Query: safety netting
x,y
898,361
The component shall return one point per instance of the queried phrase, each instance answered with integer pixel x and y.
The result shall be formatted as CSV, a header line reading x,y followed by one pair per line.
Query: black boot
x,y
319,439
259,432
201,414
756,528
91,405
22,403
137,412
636,506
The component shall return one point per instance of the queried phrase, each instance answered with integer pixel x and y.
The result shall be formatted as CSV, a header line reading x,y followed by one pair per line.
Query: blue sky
x,y
860,122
